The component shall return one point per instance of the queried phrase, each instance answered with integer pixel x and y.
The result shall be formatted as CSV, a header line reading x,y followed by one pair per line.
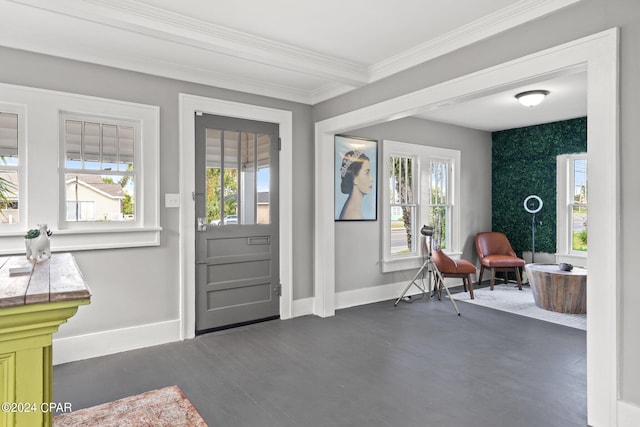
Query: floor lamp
x,y
530,206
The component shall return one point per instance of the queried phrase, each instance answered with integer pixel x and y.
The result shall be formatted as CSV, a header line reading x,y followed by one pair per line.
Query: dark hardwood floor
x,y
417,364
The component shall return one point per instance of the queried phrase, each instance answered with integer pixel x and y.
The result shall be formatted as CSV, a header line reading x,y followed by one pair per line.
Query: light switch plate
x,y
171,200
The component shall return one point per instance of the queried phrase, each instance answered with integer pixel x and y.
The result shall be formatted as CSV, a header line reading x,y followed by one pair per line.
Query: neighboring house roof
x,y
96,183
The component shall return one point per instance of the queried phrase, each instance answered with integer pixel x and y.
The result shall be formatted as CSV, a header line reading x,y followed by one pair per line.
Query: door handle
x,y
202,224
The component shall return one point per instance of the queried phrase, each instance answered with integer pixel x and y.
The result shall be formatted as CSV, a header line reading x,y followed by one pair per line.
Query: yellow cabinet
x,y
32,307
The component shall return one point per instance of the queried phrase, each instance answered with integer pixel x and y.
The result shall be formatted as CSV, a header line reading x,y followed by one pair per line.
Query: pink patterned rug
x,y
164,407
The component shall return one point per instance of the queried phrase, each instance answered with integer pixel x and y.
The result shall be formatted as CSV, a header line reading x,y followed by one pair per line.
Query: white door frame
x,y
598,55
188,105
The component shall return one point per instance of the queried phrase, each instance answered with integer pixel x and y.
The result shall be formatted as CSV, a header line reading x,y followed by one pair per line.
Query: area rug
x,y
164,407
509,298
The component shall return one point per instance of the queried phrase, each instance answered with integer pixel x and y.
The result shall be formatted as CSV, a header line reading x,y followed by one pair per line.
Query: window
x,y
572,207
402,224
11,137
99,173
578,204
440,206
87,167
420,188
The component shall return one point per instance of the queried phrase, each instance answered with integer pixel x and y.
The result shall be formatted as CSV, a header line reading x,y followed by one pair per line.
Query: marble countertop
x,y
48,280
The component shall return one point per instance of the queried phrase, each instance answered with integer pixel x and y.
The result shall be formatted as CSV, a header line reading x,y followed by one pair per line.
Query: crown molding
x,y
328,91
165,25
490,25
175,71
340,76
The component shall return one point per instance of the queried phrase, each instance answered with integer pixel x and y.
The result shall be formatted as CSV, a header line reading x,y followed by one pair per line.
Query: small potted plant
x,y
37,242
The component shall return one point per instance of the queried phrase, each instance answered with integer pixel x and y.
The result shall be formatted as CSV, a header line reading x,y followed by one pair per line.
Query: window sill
x,y
81,240
579,260
400,264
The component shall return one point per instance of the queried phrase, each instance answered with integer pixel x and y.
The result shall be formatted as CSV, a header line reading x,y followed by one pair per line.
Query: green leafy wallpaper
x,y
524,163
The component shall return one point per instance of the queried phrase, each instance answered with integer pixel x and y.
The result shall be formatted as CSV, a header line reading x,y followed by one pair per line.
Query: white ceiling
x,y
300,50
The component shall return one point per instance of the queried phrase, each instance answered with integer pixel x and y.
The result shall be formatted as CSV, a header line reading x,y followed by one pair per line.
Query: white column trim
x,y
188,105
598,54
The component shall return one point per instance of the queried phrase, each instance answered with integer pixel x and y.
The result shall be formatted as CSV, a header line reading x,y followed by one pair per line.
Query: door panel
x,y
237,277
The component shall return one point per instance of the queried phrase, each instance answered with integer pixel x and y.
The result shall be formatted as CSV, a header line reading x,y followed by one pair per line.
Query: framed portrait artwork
x,y
355,179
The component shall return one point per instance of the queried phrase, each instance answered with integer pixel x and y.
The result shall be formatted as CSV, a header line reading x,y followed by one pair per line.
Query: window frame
x,y
450,196
564,209
415,250
41,199
65,224
20,111
422,198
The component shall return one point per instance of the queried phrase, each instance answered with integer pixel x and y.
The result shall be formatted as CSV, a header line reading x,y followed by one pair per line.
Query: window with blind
x,y
87,167
421,182
9,166
100,172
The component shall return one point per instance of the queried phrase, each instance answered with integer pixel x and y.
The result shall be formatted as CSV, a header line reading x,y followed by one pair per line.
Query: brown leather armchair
x,y
458,268
495,252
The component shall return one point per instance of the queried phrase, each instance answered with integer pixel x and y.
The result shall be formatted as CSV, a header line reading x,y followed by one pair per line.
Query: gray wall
x,y
583,19
140,286
358,251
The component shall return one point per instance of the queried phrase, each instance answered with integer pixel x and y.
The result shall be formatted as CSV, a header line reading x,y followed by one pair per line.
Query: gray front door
x,y
236,205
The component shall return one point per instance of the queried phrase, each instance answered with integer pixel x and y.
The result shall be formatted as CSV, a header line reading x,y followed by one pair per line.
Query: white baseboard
x,y
628,414
115,341
362,296
302,307
375,294
80,347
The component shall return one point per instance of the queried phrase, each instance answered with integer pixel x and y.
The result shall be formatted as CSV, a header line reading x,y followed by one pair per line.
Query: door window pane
x,y
263,179
222,176
248,177
231,180
213,175
238,177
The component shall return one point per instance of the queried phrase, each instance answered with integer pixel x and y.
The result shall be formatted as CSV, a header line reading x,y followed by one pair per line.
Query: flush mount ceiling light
x,y
531,98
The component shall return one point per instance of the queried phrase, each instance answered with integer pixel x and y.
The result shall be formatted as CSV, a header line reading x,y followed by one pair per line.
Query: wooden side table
x,y
32,307
557,290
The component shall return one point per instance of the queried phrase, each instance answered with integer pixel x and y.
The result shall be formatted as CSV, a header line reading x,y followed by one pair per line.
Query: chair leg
x,y
470,286
493,277
518,278
481,273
